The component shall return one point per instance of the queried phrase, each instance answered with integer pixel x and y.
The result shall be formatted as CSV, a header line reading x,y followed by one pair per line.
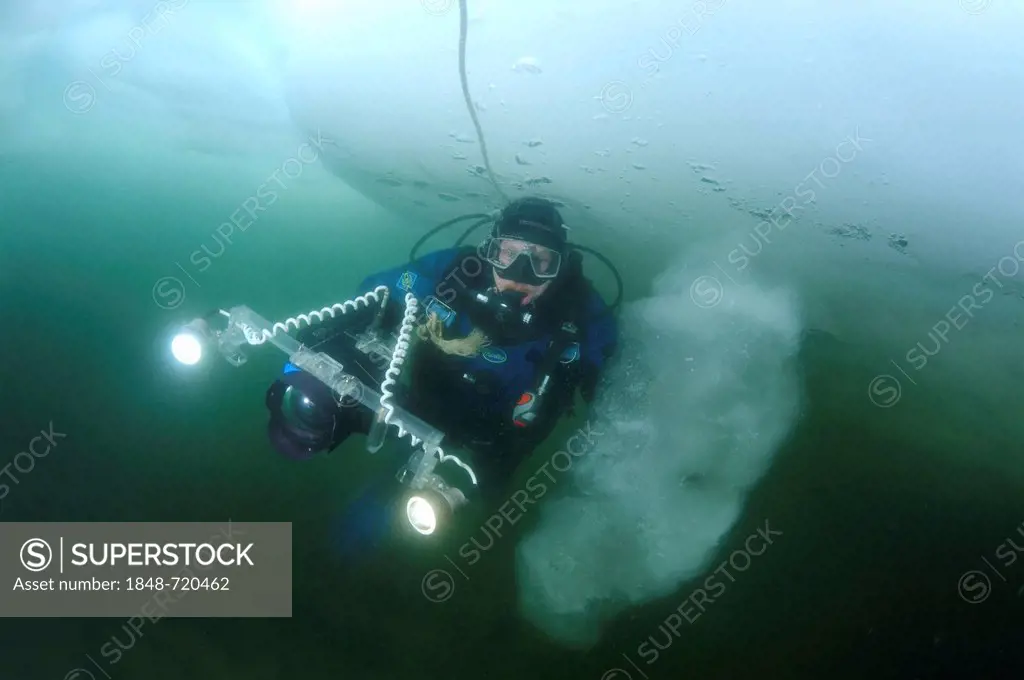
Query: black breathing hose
x,y
462,218
469,231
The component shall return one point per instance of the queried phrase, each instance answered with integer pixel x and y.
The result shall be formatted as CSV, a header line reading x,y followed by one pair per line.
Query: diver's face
x,y
531,292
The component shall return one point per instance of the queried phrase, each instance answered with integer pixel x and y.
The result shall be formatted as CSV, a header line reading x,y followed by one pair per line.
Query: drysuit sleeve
x,y
598,346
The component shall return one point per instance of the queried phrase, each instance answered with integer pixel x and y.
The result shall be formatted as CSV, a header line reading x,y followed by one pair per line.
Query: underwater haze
x,y
806,458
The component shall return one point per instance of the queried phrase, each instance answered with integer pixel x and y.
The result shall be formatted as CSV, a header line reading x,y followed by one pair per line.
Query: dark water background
x,y
862,583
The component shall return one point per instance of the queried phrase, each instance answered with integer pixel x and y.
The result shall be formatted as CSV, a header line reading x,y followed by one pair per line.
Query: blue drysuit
x,y
472,399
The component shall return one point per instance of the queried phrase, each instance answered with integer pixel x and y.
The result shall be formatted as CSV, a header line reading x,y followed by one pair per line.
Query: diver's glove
x,y
306,418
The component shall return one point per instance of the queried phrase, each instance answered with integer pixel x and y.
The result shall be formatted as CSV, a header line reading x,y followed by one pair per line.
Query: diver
x,y
509,332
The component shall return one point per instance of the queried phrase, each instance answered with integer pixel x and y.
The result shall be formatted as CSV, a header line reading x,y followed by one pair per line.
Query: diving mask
x,y
522,261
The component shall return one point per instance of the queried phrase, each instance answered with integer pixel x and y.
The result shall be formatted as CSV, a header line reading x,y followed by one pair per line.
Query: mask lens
x,y
503,252
545,261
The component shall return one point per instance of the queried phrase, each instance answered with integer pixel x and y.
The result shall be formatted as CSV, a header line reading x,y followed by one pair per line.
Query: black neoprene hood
x,y
535,220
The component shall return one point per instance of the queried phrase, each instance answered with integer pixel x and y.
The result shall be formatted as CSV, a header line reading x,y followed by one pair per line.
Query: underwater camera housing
x,y
245,327
430,501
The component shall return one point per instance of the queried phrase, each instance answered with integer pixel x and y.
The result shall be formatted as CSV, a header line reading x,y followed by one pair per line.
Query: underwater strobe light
x,y
191,342
433,505
187,345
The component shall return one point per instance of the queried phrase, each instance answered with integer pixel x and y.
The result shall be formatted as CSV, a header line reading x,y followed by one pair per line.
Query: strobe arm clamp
x,y
418,473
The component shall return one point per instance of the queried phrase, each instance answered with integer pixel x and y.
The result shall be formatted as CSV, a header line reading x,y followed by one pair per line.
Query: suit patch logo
x,y
494,355
407,280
